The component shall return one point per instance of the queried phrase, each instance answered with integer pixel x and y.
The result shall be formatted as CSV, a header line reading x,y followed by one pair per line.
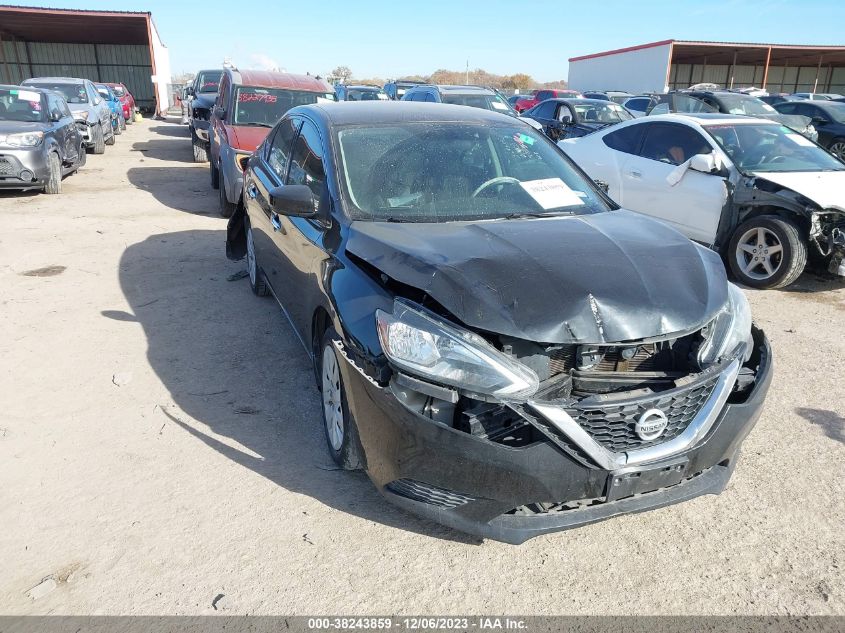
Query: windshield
x,y
263,107
439,172
358,94
119,91
771,148
209,81
607,112
736,104
21,105
104,92
73,93
487,102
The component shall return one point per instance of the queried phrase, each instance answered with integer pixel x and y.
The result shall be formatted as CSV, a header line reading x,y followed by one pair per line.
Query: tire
x,y
226,207
99,146
773,268
341,432
54,180
83,156
118,130
837,148
130,120
121,124
200,152
256,275
110,140
215,175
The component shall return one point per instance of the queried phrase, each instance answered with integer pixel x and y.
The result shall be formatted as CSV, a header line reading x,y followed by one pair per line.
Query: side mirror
x,y
220,112
189,91
817,120
705,163
293,200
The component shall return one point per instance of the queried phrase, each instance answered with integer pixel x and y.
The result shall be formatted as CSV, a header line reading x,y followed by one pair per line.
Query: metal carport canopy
x,y
691,52
73,26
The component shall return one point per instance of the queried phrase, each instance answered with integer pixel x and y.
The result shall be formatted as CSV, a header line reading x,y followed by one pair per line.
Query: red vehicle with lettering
x,y
249,103
126,100
541,95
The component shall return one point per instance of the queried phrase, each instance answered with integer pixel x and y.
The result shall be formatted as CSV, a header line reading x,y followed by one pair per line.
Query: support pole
x,y
818,70
732,70
766,68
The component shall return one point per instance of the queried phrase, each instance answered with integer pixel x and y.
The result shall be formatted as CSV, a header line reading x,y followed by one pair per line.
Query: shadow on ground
x,y
186,189
830,422
230,361
171,142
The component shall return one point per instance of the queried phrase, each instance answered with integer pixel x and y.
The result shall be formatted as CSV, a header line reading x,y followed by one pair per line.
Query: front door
x,y
694,204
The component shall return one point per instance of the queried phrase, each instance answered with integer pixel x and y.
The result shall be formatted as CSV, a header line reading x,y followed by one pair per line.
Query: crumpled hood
x,y
607,277
204,100
825,188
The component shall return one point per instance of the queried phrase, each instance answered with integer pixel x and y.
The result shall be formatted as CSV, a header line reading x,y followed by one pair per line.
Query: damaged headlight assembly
x,y
426,346
730,329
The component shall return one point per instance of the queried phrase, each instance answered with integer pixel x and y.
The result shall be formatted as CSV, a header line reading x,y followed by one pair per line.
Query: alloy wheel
x,y
759,253
838,150
332,405
250,258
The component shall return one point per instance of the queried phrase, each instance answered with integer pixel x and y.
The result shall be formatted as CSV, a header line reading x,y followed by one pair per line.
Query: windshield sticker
x,y
551,193
254,97
382,97
523,139
324,100
404,201
498,106
800,140
28,95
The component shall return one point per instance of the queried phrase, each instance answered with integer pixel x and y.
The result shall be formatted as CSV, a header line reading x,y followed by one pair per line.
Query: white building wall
x,y
641,70
162,68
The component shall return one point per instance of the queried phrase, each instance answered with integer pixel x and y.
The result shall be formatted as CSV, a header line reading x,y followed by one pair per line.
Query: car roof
x,y
458,89
360,87
577,100
269,79
65,80
706,118
31,88
381,112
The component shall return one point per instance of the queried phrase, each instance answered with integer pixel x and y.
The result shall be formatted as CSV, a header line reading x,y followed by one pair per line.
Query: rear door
x,y
59,125
693,205
269,172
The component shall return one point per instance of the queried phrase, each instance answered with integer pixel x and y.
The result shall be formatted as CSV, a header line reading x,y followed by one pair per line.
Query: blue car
x,y
118,123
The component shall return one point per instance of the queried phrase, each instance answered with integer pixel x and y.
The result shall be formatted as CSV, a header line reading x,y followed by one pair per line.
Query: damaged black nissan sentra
x,y
499,346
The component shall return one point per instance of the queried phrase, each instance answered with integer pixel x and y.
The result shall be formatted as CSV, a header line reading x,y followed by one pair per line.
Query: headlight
x,y
24,139
427,346
730,328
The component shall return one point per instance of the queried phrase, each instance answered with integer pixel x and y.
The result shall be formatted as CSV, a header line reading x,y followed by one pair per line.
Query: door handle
x,y
276,221
251,191
635,174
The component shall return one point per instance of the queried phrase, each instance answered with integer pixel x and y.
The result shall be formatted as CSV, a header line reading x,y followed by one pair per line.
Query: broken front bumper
x,y
24,168
482,487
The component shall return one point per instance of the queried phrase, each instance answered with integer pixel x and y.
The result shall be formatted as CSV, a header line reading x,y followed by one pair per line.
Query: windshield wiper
x,y
536,214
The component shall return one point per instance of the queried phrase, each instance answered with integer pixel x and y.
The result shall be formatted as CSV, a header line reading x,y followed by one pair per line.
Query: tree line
x,y
479,77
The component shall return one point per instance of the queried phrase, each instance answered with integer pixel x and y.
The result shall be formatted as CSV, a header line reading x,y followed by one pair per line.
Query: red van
x,y
249,103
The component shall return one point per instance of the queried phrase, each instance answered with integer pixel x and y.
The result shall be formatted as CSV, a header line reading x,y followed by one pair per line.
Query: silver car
x,y
92,113
39,139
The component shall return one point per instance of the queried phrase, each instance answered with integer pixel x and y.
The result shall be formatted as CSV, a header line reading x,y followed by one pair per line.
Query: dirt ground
x,y
161,449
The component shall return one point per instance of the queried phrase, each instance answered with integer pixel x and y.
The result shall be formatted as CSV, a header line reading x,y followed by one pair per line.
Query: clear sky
x,y
393,38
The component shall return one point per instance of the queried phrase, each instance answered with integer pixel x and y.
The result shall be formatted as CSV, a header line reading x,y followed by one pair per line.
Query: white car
x,y
753,190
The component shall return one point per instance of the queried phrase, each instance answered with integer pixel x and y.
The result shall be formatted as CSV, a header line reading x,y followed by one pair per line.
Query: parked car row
x,y
48,124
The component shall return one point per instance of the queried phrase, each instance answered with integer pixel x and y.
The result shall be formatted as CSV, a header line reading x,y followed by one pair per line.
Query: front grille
x,y
612,425
426,493
645,358
6,167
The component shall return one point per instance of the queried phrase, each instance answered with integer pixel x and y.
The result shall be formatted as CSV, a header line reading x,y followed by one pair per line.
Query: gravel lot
x,y
161,449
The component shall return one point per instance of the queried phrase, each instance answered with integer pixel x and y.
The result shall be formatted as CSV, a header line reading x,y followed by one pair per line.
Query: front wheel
x,y
767,252
99,145
200,152
837,148
339,426
111,139
54,179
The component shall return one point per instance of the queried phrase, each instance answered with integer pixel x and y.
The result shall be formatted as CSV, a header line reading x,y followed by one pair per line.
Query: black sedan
x,y
571,118
40,142
498,346
828,118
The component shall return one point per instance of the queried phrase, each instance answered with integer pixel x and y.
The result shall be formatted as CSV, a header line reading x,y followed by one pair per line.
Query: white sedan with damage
x,y
755,191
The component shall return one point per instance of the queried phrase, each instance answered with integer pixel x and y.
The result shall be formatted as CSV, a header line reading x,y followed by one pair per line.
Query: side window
x,y
786,108
53,108
543,95
306,162
279,155
64,107
626,139
546,110
223,97
673,144
564,111
430,98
